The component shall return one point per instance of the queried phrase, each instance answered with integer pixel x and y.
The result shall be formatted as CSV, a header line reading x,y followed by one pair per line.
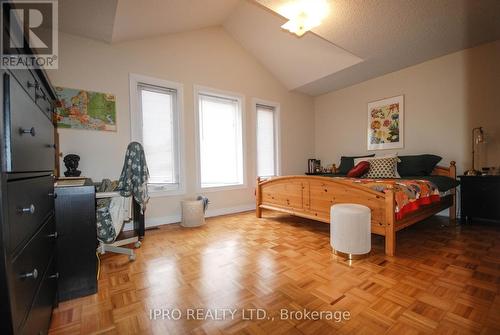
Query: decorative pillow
x,y
360,169
417,165
356,161
347,163
385,167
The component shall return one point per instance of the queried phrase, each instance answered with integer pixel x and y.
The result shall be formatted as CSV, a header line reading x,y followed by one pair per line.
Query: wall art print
x,y
385,123
81,109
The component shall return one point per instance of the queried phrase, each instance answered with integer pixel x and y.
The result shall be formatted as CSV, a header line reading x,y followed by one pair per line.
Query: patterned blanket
x,y
134,178
410,195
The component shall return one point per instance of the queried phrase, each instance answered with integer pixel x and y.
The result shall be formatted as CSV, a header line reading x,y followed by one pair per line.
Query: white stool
x,y
350,230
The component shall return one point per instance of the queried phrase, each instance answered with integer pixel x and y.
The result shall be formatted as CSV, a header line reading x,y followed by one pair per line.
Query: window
x,y
267,140
220,140
156,125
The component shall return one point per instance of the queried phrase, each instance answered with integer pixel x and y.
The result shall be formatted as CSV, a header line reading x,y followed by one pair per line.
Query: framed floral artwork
x,y
385,123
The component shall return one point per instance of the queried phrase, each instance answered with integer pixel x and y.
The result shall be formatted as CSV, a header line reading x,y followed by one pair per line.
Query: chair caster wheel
x,y
137,244
131,257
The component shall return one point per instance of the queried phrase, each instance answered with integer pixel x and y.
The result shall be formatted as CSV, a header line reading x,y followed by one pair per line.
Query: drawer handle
x,y
33,274
52,146
55,235
30,131
53,195
35,85
54,276
39,96
27,210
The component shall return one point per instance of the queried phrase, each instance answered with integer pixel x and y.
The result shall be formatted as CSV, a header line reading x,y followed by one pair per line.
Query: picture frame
x,y
385,129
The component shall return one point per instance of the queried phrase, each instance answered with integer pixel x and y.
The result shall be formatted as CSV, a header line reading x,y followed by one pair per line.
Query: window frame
x,y
277,134
197,90
136,128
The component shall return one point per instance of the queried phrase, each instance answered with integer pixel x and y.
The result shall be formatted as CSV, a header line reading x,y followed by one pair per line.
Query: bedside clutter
x,y
480,198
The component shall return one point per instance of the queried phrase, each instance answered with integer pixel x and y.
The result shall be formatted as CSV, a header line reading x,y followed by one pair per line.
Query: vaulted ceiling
x,y
358,40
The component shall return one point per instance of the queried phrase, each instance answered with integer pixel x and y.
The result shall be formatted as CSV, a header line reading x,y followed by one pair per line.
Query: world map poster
x,y
80,109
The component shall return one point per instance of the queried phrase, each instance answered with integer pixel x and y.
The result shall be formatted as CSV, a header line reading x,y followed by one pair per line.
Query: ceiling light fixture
x,y
303,15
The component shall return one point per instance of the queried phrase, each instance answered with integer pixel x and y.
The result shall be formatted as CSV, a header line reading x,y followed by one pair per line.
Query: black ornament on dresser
x,y
71,162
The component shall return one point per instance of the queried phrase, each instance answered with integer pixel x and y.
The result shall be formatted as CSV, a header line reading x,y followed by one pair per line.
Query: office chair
x,y
120,209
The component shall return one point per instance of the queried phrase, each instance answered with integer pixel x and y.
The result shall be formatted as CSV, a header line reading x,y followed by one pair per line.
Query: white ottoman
x,y
350,230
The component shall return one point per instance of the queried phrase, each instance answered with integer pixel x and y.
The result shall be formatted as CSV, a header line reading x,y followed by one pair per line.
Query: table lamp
x,y
477,137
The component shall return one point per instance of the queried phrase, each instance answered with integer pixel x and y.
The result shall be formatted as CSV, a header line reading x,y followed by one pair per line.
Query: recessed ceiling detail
x,y
144,18
294,61
357,40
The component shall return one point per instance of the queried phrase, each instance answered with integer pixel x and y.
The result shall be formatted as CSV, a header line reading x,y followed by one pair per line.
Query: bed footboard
x,y
312,196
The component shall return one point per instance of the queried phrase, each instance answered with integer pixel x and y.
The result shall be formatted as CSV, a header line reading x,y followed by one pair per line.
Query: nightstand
x,y
480,198
77,240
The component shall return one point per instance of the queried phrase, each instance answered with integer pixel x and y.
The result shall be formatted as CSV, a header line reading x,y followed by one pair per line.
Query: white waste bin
x,y
193,214
350,230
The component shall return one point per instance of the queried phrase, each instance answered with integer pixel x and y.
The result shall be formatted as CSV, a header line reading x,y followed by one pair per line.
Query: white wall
x,y
444,99
208,57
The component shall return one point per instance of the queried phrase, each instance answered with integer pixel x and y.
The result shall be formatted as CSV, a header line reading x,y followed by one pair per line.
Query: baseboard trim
x,y
176,218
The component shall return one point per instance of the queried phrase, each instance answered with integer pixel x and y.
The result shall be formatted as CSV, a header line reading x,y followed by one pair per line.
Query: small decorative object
x,y
314,166
80,109
310,165
477,137
385,123
71,163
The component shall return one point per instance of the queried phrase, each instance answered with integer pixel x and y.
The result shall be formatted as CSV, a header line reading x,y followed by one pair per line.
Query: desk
x,y
77,240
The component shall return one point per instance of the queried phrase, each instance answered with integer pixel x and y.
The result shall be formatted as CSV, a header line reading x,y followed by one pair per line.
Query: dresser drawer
x,y
27,270
27,81
31,139
42,99
38,321
30,202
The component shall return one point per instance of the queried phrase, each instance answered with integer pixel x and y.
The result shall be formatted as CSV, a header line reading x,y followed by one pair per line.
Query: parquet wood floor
x,y
444,280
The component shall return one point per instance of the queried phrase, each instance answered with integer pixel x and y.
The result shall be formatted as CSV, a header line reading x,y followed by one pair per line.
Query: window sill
x,y
221,188
165,192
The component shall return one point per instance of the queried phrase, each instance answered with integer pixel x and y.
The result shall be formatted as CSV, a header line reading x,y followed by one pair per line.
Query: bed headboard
x,y
450,171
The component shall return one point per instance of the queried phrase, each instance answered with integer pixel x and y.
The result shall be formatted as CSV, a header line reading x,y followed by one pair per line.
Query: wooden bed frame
x,y
312,196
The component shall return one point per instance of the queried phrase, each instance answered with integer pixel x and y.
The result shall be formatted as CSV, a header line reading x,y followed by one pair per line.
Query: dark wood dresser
x,y
480,198
28,277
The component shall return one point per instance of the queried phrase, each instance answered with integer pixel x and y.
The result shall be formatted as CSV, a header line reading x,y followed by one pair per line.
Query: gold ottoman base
x,y
350,256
